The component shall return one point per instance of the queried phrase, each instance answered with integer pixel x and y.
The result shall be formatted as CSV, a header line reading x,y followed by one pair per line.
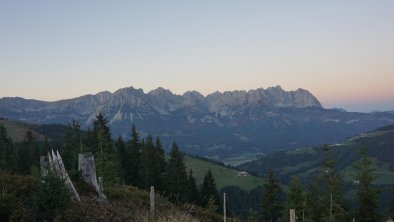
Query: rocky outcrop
x,y
128,103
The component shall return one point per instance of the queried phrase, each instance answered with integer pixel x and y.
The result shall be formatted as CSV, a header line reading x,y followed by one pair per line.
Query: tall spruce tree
x,y
367,195
152,165
72,146
107,164
314,202
208,191
27,153
334,205
192,196
295,199
177,181
7,152
134,144
88,139
45,147
123,157
3,143
161,165
271,205
35,150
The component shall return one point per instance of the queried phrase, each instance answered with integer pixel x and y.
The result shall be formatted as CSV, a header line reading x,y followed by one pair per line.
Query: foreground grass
x,y
125,203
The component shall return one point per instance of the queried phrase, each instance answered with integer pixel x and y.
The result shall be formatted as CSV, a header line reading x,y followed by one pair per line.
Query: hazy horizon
x,y
341,52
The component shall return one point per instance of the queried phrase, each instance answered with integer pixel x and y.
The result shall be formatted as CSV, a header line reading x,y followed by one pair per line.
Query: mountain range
x,y
223,125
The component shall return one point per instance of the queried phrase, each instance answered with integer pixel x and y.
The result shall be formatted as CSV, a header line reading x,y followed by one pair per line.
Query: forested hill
x,y
17,130
224,176
379,145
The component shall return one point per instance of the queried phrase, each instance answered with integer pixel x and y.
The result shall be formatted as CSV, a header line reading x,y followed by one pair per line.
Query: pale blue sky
x,y
341,51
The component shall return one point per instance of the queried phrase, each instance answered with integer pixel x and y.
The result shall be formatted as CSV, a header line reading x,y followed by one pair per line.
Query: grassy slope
x,y
223,176
126,203
17,131
240,159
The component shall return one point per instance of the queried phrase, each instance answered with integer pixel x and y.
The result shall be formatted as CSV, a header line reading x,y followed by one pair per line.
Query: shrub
x,y
51,198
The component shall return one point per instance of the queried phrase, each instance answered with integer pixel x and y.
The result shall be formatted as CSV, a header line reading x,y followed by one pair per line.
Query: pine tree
x,y
192,196
314,208
367,196
51,197
72,145
177,180
102,142
152,165
334,205
34,148
45,147
271,204
27,154
295,198
147,160
89,139
208,192
123,157
7,152
133,158
3,144
107,164
160,166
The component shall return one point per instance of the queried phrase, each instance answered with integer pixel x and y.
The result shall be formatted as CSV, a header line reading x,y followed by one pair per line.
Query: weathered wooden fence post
x,y
152,202
292,215
224,208
101,186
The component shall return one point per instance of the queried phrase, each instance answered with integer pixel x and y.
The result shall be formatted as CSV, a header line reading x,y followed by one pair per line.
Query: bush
x,y
51,198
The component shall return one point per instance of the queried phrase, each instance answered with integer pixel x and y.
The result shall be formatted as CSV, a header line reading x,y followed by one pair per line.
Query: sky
x,y
340,51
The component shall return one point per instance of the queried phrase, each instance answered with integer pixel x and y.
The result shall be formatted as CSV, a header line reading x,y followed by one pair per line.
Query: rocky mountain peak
x,y
103,97
272,96
300,98
191,98
160,91
129,96
303,98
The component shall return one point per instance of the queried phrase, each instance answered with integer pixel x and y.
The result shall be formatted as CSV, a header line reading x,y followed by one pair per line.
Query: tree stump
x,y
88,171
